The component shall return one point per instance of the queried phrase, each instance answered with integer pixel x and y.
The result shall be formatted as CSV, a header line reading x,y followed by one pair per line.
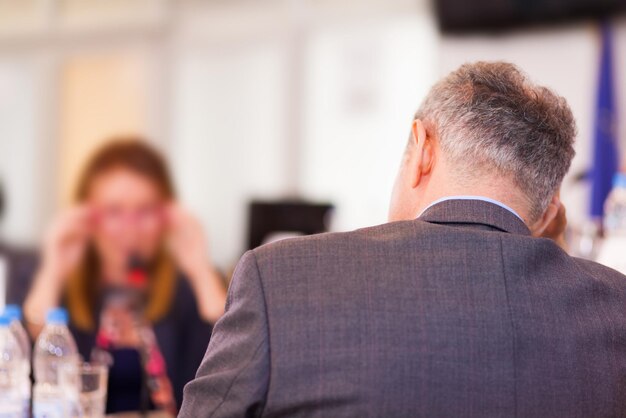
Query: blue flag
x,y
605,149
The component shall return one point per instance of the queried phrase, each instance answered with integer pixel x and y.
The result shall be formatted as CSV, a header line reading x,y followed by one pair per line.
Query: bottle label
x,y
48,409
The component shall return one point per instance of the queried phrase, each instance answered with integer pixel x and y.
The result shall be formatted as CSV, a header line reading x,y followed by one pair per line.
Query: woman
x,y
125,208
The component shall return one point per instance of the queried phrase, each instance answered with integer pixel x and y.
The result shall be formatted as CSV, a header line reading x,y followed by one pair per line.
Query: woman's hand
x,y
65,243
189,247
63,248
187,242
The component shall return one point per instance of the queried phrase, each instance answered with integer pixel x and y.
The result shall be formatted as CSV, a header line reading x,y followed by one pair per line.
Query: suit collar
x,y
474,212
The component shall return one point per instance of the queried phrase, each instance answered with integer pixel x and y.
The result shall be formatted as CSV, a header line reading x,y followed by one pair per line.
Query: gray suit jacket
x,y
460,313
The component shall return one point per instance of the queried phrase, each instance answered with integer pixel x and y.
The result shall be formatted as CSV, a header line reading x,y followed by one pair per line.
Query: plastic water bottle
x,y
14,313
11,363
612,251
54,350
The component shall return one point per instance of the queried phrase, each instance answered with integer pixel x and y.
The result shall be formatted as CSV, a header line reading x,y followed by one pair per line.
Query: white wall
x,y
25,152
363,84
318,109
228,137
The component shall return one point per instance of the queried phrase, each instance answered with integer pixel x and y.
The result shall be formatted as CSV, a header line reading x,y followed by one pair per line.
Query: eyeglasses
x,y
118,219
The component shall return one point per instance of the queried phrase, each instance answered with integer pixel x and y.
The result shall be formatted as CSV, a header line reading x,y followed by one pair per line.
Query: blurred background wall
x,y
251,99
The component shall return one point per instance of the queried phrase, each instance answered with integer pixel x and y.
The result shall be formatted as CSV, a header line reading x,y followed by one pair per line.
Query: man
x,y
453,309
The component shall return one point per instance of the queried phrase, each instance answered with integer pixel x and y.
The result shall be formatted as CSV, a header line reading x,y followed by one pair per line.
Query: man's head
x,y
486,130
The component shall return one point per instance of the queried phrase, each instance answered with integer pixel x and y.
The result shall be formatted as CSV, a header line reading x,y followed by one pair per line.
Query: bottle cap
x,y
14,312
5,321
619,180
57,316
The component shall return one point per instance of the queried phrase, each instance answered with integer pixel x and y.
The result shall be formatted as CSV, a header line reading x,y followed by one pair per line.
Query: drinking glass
x,y
86,386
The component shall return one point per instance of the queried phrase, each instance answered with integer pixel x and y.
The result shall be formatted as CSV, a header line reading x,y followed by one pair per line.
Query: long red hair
x,y
133,154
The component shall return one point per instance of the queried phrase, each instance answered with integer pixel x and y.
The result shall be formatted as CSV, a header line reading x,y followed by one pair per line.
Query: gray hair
x,y
489,119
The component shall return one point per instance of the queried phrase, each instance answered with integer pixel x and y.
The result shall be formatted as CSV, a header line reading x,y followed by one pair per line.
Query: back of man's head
x,y
491,122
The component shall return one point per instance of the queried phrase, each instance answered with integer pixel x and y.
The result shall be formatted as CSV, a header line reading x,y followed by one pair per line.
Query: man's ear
x,y
548,217
421,153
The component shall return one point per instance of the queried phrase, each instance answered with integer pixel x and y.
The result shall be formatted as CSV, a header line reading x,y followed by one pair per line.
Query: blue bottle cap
x,y
619,180
14,312
57,316
5,321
